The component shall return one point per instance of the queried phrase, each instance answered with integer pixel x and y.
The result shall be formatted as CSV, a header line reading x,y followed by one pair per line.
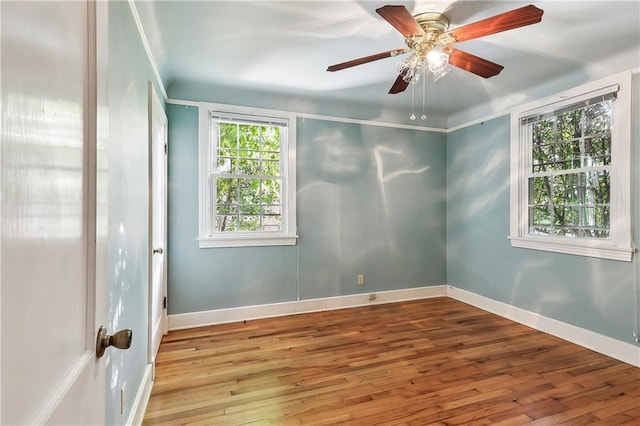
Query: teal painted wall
x,y
370,200
594,294
127,292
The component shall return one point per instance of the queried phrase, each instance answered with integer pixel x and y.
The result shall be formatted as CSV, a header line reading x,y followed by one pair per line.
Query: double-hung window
x,y
247,177
570,168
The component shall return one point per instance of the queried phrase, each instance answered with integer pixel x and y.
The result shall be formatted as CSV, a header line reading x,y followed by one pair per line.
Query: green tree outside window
x,y
569,180
248,178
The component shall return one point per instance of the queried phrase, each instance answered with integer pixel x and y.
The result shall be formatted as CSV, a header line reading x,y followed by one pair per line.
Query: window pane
x,y
249,137
570,125
602,222
270,155
540,216
249,191
270,168
226,191
597,152
573,205
598,118
552,150
248,166
248,205
271,205
596,187
544,132
271,210
542,157
227,209
556,156
227,135
270,191
226,223
249,209
249,223
540,190
248,154
272,217
272,224
270,138
566,216
563,189
224,165
227,152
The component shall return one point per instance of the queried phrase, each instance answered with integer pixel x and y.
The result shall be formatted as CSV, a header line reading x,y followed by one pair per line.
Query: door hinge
x,y
164,302
166,149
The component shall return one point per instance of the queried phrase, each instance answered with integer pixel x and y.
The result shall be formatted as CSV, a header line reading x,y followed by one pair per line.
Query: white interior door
x,y
158,232
53,289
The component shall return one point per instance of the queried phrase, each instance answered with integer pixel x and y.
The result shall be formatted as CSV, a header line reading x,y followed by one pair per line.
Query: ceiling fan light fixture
x,y
412,75
437,60
441,73
410,68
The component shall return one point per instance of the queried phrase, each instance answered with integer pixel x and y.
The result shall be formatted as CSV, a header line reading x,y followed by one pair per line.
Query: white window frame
x,y
207,235
619,244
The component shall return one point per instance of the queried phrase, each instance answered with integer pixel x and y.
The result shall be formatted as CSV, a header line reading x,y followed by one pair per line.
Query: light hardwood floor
x,y
434,361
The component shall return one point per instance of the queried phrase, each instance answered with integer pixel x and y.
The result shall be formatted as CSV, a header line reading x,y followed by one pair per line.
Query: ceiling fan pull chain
x,y
413,103
424,95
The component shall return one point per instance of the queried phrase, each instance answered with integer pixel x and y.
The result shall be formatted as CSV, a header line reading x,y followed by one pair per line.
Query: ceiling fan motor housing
x,y
433,24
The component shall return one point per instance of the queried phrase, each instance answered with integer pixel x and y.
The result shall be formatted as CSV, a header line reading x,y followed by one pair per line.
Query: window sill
x,y
596,249
247,241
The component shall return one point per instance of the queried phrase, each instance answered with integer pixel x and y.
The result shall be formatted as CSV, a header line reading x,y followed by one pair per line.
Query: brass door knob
x,y
120,340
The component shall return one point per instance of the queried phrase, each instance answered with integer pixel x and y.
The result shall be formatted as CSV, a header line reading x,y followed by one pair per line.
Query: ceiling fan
x,y
429,41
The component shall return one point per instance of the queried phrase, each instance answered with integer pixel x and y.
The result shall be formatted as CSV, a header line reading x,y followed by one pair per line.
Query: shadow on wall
x,y
357,206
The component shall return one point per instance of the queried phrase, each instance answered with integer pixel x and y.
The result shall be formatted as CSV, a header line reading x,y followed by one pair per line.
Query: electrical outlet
x,y
372,297
123,399
360,279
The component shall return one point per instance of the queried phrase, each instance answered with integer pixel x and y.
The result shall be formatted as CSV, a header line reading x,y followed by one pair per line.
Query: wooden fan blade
x,y
398,86
400,18
474,64
366,59
516,18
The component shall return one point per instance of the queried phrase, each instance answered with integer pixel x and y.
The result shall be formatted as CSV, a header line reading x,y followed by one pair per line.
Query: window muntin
x,y
247,177
571,171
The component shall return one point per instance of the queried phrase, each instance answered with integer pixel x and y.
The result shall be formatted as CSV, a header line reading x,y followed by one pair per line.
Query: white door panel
x,y
49,369
158,285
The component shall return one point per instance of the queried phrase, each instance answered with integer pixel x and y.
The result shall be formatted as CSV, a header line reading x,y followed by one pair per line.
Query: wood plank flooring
x,y
435,361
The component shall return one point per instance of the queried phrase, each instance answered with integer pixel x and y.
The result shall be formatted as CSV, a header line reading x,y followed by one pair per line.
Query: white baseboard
x,y
625,352
222,316
139,405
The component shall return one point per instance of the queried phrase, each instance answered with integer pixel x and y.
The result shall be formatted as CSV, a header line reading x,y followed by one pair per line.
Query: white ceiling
x,y
284,47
